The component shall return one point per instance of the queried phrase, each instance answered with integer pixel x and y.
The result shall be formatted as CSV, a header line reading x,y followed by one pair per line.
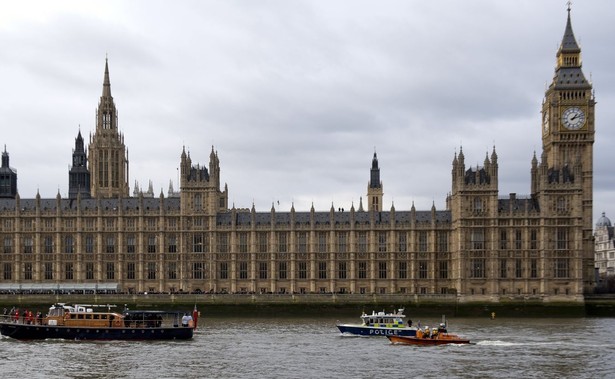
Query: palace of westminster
x,y
482,246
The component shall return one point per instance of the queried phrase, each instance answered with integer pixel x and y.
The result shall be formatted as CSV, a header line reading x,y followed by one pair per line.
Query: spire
x,y
569,43
5,158
106,83
375,173
568,73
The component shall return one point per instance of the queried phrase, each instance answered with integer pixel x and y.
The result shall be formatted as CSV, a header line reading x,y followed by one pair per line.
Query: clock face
x,y
545,121
573,118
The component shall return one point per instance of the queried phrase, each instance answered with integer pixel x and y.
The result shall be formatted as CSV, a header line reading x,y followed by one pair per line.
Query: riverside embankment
x,y
317,304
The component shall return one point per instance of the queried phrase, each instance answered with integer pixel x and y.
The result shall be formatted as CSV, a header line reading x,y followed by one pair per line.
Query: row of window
x,y
561,268
478,240
200,243
477,270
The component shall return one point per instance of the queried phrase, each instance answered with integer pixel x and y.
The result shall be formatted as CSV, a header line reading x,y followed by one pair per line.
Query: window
x,y
322,270
151,244
223,242
422,241
110,271
382,270
8,245
198,270
48,245
382,242
503,240
322,242
110,244
561,238
8,271
243,270
69,245
282,274
151,270
198,202
403,270
197,244
172,244
262,242
518,268
301,242
362,267
341,270
402,242
423,267
477,239
282,242
27,271
533,268
172,270
342,242
477,204
562,268
130,271
130,244
477,268
27,245
533,239
302,270
263,270
518,239
89,244
89,271
503,268
223,270
443,269
362,242
442,242
48,270
243,242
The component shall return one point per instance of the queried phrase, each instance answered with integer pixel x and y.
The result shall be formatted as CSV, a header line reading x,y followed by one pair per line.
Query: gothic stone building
x,y
480,247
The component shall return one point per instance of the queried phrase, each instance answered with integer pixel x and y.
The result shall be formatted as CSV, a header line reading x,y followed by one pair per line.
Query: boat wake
x,y
507,343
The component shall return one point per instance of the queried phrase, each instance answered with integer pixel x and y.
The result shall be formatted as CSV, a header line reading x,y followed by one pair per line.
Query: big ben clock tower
x,y
566,181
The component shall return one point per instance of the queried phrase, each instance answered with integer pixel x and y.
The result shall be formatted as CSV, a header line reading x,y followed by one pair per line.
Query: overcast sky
x,y
295,96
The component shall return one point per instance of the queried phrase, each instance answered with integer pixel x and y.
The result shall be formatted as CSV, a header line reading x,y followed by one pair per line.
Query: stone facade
x,y
481,247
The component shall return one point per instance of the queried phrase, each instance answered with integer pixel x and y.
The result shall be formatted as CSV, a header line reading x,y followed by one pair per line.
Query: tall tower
x,y
374,187
8,178
564,179
108,157
79,175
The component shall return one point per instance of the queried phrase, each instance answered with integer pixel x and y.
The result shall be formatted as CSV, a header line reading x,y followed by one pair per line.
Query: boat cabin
x,y
382,319
83,315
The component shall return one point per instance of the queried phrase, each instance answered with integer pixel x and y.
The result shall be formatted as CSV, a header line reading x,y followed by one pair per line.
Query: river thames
x,y
313,348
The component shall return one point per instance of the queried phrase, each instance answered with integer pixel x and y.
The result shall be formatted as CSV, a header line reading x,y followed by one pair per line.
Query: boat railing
x,y
20,319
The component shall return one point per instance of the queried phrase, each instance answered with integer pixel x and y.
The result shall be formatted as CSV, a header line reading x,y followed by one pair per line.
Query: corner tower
x,y
108,156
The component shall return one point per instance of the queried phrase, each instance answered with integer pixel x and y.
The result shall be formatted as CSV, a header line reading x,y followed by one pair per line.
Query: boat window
x,y
96,317
80,317
103,317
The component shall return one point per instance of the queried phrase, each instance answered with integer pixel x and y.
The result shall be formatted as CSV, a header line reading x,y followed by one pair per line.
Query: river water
x,y
313,348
